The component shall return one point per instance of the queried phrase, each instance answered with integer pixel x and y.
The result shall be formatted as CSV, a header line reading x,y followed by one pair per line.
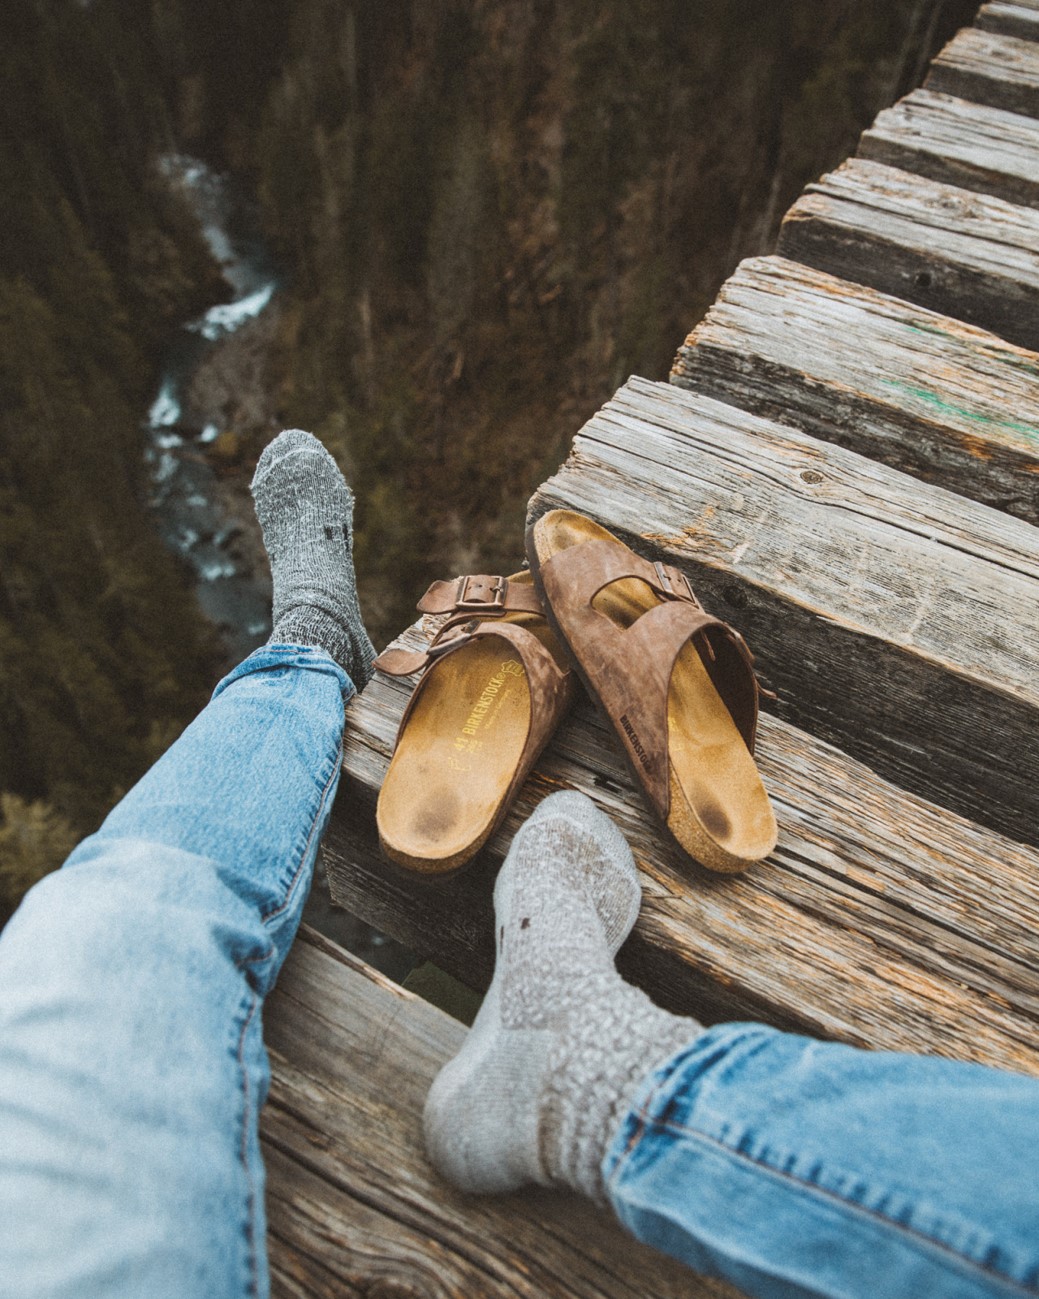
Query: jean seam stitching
x,y
243,1150
823,1192
333,774
642,1126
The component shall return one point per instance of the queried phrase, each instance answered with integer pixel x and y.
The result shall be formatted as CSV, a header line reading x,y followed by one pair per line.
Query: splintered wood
x,y
921,392
1019,18
958,143
1001,71
967,255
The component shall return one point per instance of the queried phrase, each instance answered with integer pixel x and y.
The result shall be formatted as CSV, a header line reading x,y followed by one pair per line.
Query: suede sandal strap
x,y
493,685
579,573
481,594
477,606
631,667
550,686
466,599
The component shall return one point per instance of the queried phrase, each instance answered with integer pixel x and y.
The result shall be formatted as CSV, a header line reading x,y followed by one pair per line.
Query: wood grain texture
x,y
963,254
880,919
1017,19
944,401
354,1208
959,143
1001,71
895,619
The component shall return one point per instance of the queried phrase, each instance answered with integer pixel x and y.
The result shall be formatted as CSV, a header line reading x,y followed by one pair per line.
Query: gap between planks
x,y
920,392
880,920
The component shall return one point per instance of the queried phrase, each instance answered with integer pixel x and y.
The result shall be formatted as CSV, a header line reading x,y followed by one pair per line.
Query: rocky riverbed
x,y
215,410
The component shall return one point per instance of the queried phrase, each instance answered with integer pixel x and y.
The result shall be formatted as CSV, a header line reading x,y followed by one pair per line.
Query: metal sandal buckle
x,y
498,593
669,578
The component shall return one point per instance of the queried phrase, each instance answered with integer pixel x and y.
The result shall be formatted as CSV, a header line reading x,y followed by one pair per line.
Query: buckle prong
x,y
666,575
445,646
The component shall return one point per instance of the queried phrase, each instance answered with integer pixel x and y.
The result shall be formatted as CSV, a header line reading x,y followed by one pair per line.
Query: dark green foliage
x,y
495,212
491,213
82,118
102,653
34,839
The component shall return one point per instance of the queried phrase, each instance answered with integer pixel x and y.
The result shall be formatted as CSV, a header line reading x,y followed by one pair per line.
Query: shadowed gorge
x,y
104,657
486,216
496,213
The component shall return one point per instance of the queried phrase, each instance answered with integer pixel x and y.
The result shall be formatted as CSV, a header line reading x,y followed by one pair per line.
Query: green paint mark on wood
x,y
947,408
1003,355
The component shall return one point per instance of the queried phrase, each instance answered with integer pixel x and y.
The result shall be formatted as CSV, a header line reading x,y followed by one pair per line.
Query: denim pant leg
x,y
796,1167
132,1067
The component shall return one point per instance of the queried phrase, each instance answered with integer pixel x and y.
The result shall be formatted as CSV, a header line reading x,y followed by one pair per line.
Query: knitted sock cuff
x,y
597,1065
347,642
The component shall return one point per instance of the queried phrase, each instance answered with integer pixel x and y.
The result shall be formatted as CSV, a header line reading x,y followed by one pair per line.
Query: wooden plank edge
x,y
1009,20
977,462
455,921
355,1207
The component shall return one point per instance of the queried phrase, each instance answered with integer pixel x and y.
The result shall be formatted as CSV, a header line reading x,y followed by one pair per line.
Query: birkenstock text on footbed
x,y
495,683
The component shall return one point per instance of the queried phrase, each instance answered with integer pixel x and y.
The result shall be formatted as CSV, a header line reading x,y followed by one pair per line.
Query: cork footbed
x,y
719,811
448,781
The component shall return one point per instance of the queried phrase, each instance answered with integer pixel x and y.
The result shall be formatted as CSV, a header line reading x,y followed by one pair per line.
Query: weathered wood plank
x,y
880,919
959,143
1017,19
894,618
355,1209
965,255
938,399
1001,71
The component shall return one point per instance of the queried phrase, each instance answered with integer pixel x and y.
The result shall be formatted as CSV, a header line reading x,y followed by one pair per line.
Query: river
x,y
188,497
197,509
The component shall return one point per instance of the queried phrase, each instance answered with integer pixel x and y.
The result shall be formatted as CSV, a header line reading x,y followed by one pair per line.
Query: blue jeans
x,y
795,1167
132,1068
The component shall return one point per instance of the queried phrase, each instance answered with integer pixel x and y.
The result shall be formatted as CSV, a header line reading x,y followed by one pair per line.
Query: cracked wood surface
x,y
880,920
921,392
959,143
355,1209
966,255
1020,19
894,618
888,618
1001,71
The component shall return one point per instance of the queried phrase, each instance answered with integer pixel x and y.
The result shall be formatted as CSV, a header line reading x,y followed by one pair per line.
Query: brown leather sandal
x,y
677,684
495,684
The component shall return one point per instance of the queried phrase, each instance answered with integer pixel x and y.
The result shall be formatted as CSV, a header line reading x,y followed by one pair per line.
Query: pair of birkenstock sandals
x,y
676,684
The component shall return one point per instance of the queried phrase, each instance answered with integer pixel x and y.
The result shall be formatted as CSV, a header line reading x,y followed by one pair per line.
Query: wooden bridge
x,y
846,465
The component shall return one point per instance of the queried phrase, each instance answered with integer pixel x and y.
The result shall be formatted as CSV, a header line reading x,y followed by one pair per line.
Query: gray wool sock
x,y
306,513
561,1043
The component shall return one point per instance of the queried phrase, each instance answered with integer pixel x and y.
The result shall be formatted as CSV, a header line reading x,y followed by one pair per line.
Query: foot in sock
x,y
561,1043
306,511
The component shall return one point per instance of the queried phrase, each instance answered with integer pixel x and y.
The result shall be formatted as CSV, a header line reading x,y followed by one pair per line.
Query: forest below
x,y
485,215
